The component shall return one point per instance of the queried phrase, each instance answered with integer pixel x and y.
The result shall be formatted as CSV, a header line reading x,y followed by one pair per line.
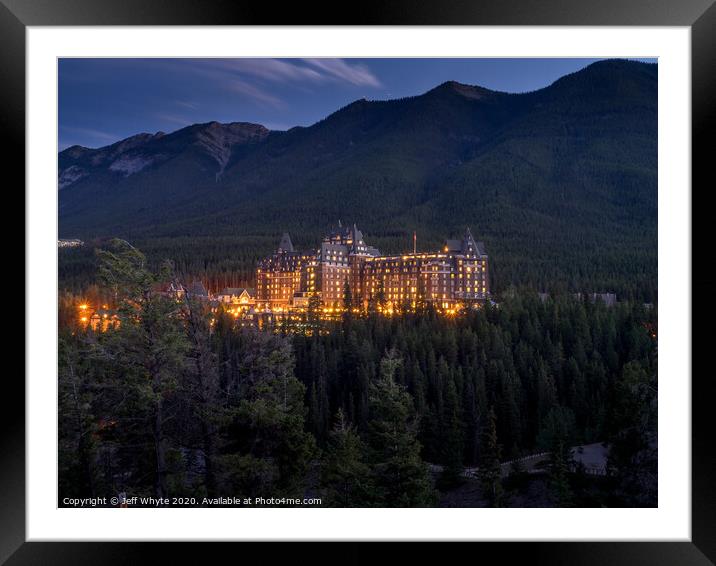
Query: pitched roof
x,y
465,244
167,287
468,244
237,291
197,288
357,236
286,245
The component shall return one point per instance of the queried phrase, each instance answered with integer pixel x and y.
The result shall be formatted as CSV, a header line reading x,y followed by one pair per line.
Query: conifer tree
x,y
76,423
345,477
490,470
271,449
150,345
399,475
452,444
201,388
560,463
377,300
632,461
313,313
347,297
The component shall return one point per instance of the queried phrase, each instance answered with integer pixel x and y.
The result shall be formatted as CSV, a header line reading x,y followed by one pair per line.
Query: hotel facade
x,y
346,269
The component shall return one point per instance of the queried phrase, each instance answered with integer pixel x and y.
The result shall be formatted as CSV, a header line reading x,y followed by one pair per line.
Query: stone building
x,y
345,267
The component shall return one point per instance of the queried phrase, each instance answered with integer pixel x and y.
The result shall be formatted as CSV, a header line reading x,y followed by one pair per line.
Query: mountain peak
x,y
616,78
468,91
75,151
136,153
241,129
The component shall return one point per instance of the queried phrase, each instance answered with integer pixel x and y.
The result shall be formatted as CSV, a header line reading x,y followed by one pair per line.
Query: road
x,y
592,456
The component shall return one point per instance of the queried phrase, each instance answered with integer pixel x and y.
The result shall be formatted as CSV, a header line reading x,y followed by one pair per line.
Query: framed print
x,y
392,279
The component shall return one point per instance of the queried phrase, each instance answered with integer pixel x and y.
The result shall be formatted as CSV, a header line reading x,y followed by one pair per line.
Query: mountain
x,y
201,148
560,183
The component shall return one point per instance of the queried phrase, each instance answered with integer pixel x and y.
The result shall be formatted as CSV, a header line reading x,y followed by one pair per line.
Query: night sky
x,y
104,100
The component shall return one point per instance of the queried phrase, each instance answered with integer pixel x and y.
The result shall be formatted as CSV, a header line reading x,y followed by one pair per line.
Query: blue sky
x,y
104,100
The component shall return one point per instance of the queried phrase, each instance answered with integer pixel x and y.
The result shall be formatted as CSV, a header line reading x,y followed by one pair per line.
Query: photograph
x,y
357,282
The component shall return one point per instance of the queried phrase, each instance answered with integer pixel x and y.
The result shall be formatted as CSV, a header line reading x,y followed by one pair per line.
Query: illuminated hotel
x,y
346,267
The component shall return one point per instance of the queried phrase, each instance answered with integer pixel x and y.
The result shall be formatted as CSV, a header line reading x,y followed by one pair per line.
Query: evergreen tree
x,y
76,424
271,449
345,477
236,405
150,344
201,388
490,471
377,300
632,461
452,445
399,475
558,426
313,313
560,463
347,297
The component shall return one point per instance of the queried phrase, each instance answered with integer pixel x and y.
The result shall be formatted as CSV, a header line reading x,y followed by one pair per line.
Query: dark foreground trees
x,y
633,460
399,475
490,471
345,475
385,470
163,406
180,400
266,447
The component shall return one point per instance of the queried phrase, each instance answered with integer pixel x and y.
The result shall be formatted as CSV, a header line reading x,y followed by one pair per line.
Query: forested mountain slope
x,y
560,183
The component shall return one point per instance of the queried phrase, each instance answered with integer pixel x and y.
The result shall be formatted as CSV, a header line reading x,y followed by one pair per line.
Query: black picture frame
x,y
699,15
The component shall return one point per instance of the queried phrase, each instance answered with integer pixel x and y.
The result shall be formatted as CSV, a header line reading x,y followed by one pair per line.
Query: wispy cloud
x,y
270,85
90,133
224,75
258,94
186,104
297,70
340,69
274,70
252,78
